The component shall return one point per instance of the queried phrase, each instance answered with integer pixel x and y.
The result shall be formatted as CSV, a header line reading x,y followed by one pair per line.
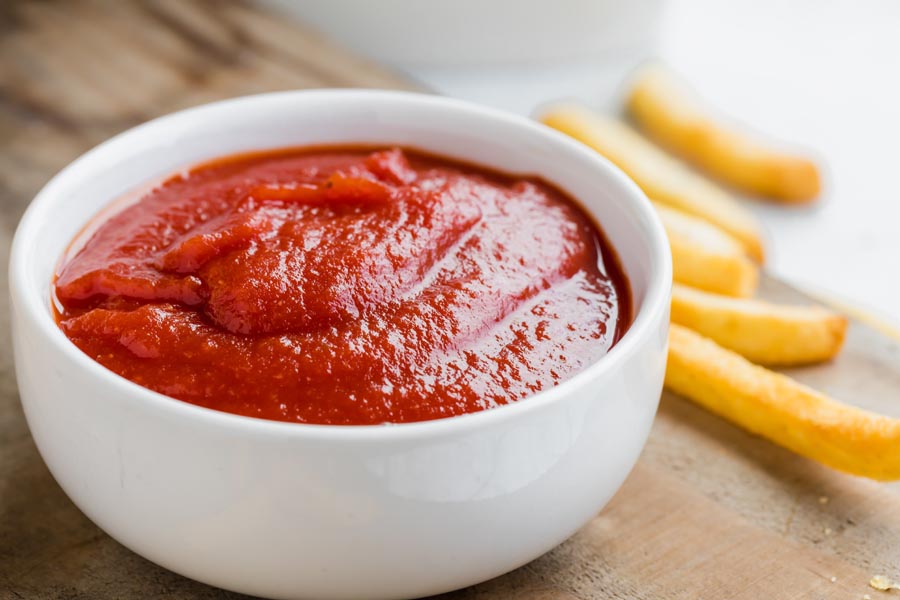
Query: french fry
x,y
781,409
670,113
764,333
705,257
660,176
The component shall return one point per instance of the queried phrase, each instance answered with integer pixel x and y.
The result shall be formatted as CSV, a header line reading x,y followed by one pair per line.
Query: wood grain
x,y
710,511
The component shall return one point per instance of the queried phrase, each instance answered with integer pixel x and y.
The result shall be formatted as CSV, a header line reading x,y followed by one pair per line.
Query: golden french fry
x,y
781,409
670,113
764,333
660,176
705,257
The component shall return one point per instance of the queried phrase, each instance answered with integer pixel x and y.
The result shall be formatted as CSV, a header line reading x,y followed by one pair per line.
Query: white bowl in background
x,y
412,34
288,510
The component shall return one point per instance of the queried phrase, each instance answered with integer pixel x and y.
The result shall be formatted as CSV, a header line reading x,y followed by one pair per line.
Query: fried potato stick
x,y
661,177
762,332
705,257
782,410
672,114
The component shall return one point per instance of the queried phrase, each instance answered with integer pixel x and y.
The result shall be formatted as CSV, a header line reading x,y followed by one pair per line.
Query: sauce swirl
x,y
345,286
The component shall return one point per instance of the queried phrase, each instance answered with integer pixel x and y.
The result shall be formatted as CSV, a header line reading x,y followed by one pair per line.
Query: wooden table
x,y
709,512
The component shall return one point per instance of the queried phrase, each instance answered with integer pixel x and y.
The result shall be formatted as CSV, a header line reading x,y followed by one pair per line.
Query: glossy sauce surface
x,y
345,286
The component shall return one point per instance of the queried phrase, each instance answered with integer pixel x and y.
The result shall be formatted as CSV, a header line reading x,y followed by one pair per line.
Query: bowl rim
x,y
31,307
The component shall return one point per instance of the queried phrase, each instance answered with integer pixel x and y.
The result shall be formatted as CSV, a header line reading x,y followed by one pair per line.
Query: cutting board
x,y
709,511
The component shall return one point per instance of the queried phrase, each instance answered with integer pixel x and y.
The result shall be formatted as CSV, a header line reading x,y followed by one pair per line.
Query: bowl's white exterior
x,y
303,511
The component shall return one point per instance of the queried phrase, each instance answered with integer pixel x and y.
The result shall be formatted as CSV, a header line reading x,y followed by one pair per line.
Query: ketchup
x,y
345,286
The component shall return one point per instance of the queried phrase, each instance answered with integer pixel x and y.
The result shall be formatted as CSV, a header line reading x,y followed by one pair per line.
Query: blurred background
x,y
821,75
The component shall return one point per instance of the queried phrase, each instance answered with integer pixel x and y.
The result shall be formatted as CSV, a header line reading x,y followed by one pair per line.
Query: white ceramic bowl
x,y
475,33
309,511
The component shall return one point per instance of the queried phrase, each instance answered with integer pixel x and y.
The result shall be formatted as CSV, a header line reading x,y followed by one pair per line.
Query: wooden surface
x,y
709,512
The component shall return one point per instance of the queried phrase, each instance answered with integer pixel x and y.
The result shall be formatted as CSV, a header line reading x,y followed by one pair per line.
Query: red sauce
x,y
345,286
